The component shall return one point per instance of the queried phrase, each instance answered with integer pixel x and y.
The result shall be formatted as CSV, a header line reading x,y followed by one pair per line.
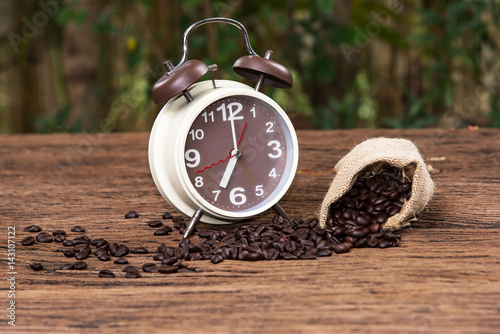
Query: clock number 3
x,y
277,152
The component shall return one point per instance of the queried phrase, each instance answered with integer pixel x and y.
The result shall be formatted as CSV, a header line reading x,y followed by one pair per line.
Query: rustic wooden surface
x,y
443,278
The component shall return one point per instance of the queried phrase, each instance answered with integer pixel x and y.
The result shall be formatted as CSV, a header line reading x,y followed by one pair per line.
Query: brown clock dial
x,y
238,153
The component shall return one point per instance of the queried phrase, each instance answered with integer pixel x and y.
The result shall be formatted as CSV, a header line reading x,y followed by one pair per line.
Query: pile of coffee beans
x,y
354,221
358,216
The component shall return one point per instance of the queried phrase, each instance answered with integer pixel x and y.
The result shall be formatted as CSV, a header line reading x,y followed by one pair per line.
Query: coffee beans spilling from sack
x,y
373,157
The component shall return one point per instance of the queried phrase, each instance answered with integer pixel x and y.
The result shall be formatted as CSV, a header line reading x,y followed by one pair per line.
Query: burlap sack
x,y
373,155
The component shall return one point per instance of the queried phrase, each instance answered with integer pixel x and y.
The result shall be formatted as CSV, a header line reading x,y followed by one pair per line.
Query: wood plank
x,y
443,278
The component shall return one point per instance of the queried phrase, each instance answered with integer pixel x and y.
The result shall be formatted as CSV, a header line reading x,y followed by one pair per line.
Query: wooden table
x,y
443,278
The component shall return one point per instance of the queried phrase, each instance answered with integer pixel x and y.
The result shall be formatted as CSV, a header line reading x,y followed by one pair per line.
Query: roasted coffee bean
x,y
36,266
67,266
167,215
381,218
254,257
288,256
161,231
82,255
59,238
374,228
121,251
79,265
217,258
167,269
359,234
360,243
139,250
150,268
106,274
324,252
32,228
104,257
342,248
132,274
392,210
184,242
56,232
121,260
169,260
155,223
159,257
28,241
44,237
67,243
78,229
69,253
80,247
132,214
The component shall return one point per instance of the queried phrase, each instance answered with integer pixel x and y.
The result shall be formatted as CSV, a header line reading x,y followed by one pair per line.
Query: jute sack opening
x,y
370,157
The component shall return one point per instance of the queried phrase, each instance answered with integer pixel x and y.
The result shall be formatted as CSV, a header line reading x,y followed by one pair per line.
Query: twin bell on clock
x,y
221,151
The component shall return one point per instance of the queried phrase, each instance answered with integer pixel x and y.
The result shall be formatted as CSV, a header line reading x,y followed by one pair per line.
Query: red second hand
x,y
228,157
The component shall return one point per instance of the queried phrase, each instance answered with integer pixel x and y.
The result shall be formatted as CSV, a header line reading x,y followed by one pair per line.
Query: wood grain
x,y
443,278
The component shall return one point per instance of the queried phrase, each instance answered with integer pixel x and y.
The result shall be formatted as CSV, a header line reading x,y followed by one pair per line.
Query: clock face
x,y
239,153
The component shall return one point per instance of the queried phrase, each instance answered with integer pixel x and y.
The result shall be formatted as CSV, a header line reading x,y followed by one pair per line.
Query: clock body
x,y
231,152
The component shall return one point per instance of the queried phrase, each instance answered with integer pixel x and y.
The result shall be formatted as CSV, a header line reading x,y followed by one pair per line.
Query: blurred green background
x,y
87,65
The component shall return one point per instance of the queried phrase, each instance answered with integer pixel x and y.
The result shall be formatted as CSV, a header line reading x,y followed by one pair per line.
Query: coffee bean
x,y
59,238
121,251
56,232
184,242
106,274
169,260
129,268
217,258
324,252
69,253
44,237
363,220
384,244
36,266
167,215
67,243
132,214
392,210
381,218
82,255
150,268
374,228
342,248
104,257
78,229
132,274
139,250
167,269
288,256
121,260
32,228
79,265
161,231
67,266
254,257
28,241
155,223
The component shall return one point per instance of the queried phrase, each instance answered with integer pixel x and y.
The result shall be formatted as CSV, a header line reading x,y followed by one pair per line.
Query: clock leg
x,y
192,223
279,211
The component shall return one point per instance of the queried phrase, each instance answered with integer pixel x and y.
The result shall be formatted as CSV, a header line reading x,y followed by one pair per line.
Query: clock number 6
x,y
276,148
237,197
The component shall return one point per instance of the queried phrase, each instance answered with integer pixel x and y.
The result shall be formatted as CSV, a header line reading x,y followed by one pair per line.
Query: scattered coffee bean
x,y
78,229
121,251
121,260
132,214
67,243
28,241
168,269
67,266
167,215
150,268
155,223
32,228
44,237
56,232
79,265
132,274
36,266
139,250
69,253
217,258
161,231
106,274
59,238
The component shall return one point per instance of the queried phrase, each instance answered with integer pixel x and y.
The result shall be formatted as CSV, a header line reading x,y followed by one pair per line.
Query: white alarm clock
x,y
221,151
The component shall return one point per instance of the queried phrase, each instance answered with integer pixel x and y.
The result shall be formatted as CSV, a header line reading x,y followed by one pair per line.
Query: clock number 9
x,y
193,158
